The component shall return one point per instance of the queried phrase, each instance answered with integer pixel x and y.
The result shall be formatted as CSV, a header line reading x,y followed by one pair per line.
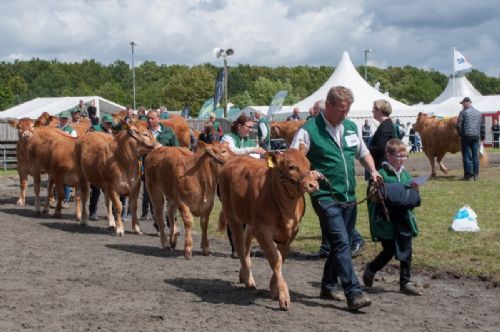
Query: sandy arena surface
x,y
55,276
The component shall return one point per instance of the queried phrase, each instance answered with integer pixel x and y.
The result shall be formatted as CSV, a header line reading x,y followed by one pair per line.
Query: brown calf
x,y
270,201
188,182
112,163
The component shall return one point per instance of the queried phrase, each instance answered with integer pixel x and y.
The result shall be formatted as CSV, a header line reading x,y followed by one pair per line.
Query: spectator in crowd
x,y
75,115
470,128
164,113
366,131
399,129
411,139
333,143
92,112
418,142
495,129
295,116
319,106
141,113
83,111
216,124
209,134
263,131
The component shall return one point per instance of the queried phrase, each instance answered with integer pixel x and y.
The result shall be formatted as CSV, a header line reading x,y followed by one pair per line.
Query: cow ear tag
x,y
269,161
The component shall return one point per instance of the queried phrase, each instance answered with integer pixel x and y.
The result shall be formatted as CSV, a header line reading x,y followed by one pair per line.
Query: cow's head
x,y
218,152
275,130
139,131
25,127
294,169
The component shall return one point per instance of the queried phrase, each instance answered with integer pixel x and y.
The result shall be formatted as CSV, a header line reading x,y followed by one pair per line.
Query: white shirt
x,y
336,132
236,150
263,129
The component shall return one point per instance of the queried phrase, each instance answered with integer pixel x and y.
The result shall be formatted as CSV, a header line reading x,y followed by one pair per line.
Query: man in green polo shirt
x,y
333,144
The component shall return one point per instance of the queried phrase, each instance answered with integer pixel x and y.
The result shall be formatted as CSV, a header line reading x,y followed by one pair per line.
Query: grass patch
x,y
436,248
9,172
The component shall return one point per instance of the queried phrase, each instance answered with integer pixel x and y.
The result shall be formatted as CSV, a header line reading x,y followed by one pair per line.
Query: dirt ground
x,y
55,276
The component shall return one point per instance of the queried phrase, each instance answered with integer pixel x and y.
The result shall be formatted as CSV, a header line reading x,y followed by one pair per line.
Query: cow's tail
x,y
222,222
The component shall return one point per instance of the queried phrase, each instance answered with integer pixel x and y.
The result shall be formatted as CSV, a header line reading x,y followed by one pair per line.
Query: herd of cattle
x,y
265,195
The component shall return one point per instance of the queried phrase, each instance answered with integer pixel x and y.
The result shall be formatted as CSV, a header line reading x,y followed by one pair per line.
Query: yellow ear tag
x,y
269,161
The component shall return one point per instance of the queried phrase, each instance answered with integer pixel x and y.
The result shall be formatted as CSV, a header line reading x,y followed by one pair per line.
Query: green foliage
x,y
177,85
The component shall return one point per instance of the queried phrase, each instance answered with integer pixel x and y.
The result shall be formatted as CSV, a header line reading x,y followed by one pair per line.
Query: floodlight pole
x,y
225,85
132,44
366,62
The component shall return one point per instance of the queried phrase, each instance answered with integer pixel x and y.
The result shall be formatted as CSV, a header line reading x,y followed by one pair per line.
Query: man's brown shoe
x,y
327,294
358,301
410,289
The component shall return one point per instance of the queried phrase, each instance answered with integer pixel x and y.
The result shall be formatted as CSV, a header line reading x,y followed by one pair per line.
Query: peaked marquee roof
x,y
463,88
364,94
55,105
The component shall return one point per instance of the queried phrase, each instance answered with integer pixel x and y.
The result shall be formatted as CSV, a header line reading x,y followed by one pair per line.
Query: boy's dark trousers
x,y
400,247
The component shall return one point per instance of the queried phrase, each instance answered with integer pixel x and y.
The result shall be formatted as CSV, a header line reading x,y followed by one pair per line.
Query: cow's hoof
x,y
206,252
120,232
37,213
137,230
57,215
284,307
45,212
111,228
20,203
188,254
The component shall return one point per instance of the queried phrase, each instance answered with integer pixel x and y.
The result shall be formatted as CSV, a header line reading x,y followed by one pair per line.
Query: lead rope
x,y
376,192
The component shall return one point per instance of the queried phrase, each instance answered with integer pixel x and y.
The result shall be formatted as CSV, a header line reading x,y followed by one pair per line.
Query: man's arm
x,y
369,165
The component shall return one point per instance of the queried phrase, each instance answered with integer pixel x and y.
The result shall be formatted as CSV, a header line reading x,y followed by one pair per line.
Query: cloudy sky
x,y
262,32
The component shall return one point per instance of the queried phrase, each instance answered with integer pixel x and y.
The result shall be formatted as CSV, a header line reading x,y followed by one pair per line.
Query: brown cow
x,y
51,151
181,129
188,181
270,201
25,128
285,129
112,164
438,137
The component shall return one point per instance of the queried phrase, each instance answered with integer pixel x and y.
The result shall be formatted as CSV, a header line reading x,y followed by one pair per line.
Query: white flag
x,y
460,62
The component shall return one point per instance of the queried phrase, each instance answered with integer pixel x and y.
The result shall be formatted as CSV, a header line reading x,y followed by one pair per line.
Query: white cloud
x,y
271,33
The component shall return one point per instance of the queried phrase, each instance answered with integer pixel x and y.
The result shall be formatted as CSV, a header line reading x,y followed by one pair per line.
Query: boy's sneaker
x,y
93,217
410,289
368,277
358,301
65,204
333,295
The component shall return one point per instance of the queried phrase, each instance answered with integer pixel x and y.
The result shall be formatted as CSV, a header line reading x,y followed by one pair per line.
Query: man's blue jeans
x,y
338,223
470,157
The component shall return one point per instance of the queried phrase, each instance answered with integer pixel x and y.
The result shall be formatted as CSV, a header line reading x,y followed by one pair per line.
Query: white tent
x,y
345,74
451,106
55,105
459,86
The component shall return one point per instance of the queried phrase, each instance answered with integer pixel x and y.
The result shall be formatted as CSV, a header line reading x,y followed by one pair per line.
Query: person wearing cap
x,y
263,131
95,192
217,126
64,123
105,126
470,128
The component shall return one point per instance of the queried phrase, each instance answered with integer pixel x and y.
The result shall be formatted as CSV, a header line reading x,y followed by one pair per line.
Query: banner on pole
x,y
460,62
276,103
219,89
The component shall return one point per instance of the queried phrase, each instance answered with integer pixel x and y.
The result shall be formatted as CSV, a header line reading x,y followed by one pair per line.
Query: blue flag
x,y
219,89
276,103
206,109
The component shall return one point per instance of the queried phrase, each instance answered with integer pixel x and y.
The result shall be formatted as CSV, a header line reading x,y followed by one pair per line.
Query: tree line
x,y
177,85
